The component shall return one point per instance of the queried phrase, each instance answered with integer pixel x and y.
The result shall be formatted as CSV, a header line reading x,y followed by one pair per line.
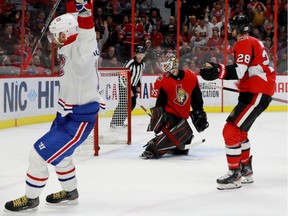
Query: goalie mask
x,y
65,23
170,63
240,23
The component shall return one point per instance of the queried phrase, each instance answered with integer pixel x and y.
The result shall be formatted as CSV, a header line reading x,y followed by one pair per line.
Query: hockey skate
x,y
147,155
231,180
151,151
247,172
63,198
22,204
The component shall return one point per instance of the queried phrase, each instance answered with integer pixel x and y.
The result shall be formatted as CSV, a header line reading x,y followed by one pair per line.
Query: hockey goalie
x,y
176,92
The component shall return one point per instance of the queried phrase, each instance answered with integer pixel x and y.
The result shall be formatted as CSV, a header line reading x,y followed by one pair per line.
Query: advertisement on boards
x,y
25,97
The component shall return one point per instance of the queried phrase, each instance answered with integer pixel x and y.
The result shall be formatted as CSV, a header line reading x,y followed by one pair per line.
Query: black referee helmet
x,y
139,49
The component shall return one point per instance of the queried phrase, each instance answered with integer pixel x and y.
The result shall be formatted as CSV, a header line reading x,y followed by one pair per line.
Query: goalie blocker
x,y
175,134
199,120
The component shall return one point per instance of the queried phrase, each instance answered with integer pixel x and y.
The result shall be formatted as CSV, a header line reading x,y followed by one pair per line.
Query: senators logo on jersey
x,y
181,95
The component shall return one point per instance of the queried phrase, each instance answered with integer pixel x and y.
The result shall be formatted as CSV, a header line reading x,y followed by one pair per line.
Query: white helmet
x,y
170,63
65,23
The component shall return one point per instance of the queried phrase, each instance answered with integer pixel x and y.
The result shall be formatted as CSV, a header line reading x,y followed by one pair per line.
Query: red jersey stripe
x,y
75,139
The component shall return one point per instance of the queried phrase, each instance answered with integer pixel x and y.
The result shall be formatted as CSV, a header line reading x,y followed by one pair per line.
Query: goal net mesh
x,y
118,108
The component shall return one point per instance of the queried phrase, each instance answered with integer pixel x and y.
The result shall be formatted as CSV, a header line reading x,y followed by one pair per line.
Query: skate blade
x,y
229,186
30,210
247,180
146,158
64,203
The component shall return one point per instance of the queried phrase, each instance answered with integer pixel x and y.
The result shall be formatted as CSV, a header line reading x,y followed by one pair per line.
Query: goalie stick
x,y
37,42
235,90
188,146
171,137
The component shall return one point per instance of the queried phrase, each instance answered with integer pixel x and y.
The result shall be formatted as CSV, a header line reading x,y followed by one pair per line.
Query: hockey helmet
x,y
240,23
139,49
169,63
65,23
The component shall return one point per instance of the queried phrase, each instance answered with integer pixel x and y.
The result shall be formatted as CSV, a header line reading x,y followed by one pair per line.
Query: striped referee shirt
x,y
136,69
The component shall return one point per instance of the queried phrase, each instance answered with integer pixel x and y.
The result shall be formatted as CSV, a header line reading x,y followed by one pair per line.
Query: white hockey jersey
x,y
79,81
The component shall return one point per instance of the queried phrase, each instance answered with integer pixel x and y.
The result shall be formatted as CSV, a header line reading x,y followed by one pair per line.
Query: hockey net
x,y
104,133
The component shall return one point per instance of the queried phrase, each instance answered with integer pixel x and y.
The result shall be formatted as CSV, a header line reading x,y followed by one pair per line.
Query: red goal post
x,y
109,89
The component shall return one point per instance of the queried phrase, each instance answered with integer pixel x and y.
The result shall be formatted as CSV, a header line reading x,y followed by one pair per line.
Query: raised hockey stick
x,y
170,135
235,90
37,42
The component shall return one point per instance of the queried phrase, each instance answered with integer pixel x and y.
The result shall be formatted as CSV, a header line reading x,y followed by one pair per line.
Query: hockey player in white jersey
x,y
78,107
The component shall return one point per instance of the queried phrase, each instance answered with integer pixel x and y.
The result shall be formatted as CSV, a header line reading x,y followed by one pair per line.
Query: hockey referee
x,y
136,66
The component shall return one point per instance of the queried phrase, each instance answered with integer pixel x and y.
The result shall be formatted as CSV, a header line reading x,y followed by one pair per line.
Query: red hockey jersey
x,y
259,77
178,93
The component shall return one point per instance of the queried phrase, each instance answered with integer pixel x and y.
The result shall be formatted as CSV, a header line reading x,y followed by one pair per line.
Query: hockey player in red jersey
x,y
176,92
78,105
256,87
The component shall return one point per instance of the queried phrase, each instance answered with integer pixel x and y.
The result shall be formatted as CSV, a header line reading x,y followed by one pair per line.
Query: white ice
x,y
119,183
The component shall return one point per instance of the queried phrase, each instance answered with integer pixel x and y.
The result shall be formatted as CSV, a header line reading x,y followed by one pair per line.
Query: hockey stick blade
x,y
45,26
191,145
235,90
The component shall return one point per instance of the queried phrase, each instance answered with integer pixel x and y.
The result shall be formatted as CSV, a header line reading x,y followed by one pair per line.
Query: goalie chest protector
x,y
178,93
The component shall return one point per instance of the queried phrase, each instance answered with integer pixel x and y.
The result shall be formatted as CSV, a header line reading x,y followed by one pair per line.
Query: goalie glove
x,y
158,119
212,71
199,119
161,123
83,5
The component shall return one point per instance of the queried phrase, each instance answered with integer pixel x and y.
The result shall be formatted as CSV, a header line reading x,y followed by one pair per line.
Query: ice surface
x,y
119,183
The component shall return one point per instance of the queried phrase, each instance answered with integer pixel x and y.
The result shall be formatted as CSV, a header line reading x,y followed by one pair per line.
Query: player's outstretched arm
x,y
212,71
86,39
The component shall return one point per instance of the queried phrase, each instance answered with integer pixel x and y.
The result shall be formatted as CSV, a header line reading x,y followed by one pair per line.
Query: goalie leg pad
x,y
162,144
182,132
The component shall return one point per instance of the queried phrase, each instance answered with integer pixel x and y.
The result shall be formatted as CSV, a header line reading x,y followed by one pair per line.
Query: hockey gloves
x,y
83,5
161,123
212,71
158,119
199,119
